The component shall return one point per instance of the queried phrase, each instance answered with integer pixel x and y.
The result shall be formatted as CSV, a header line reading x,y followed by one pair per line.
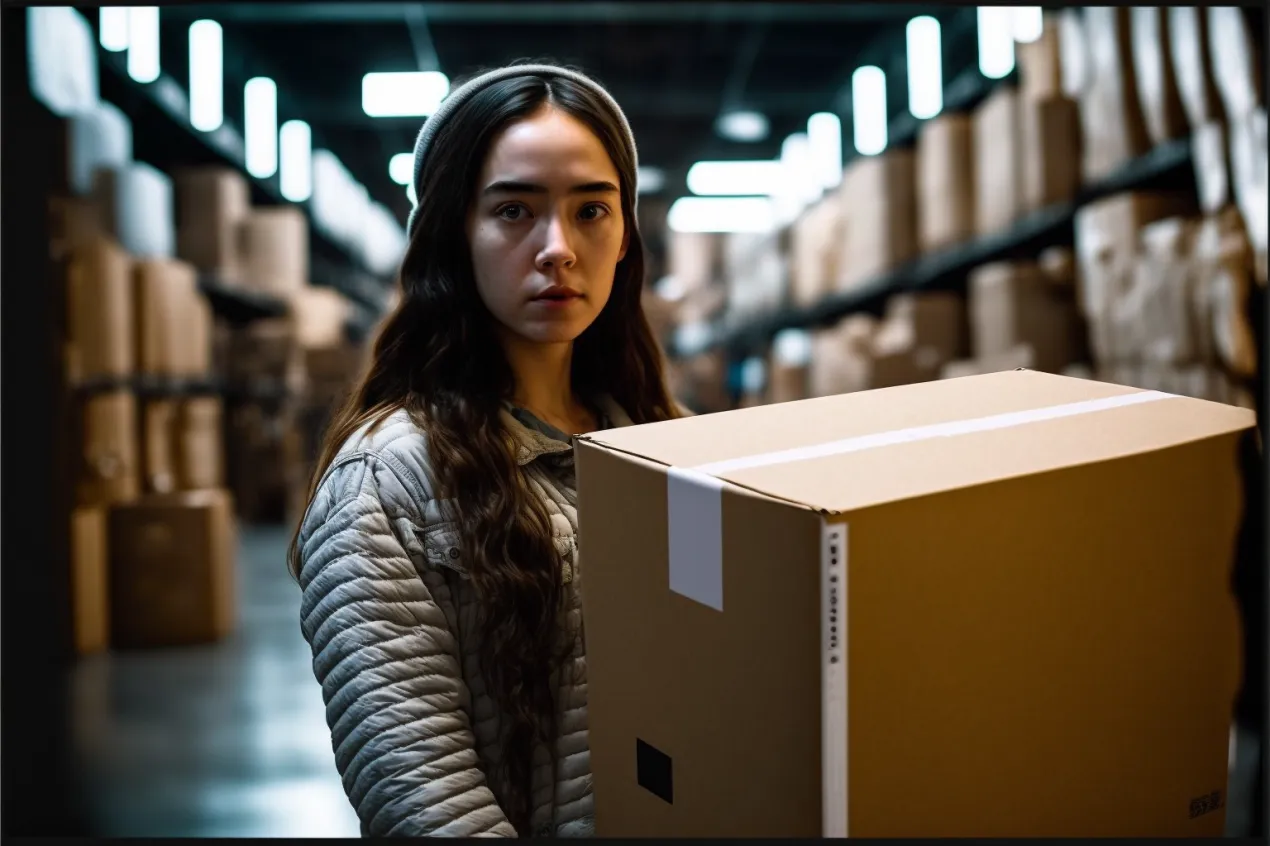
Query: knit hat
x,y
463,93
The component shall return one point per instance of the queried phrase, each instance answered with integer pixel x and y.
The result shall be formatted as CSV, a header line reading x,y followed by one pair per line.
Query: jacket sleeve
x,y
388,665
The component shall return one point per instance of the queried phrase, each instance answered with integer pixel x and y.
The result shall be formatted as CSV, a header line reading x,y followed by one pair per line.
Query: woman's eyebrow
x,y
507,186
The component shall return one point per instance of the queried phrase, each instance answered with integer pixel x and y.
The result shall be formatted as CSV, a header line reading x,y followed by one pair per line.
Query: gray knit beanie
x,y
463,93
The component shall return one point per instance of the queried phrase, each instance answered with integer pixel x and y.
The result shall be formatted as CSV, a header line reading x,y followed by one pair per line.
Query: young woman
x,y
438,557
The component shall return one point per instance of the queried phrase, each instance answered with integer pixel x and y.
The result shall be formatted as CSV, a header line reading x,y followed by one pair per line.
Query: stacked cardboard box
x,y
916,337
331,374
274,244
1166,296
212,203
878,198
136,336
815,249
789,367
1151,33
755,270
1049,116
1022,315
998,170
945,181
863,552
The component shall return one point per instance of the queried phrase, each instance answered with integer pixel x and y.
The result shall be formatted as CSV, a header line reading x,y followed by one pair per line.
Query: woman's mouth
x,y
558,295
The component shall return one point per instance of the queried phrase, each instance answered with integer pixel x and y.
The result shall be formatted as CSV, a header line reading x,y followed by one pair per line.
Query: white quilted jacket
x,y
391,617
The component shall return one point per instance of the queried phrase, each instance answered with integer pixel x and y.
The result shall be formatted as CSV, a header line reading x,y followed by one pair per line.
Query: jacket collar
x,y
530,444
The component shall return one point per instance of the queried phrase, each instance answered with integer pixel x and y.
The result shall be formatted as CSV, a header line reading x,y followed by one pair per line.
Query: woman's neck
x,y
544,381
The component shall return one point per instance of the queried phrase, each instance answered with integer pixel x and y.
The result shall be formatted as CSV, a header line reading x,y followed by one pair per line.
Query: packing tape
x,y
694,495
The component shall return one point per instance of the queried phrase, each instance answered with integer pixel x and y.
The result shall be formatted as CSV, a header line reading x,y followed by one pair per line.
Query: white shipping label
x,y
694,503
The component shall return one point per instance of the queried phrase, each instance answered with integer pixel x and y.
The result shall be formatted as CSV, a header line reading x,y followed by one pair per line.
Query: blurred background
x,y
205,207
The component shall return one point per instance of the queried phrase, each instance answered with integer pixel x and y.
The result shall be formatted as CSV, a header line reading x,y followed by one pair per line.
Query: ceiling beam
x,y
576,11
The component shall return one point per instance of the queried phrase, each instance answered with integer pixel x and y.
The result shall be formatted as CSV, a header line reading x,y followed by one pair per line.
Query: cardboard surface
x,y
172,569
100,303
90,581
164,292
897,631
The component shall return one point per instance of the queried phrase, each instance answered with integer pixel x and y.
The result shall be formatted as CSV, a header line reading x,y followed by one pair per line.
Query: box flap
x,y
851,451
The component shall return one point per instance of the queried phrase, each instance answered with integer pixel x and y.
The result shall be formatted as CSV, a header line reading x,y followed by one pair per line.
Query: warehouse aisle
x,y
223,741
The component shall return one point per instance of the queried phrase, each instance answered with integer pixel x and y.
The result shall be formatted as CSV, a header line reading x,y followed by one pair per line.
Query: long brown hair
x,y
437,356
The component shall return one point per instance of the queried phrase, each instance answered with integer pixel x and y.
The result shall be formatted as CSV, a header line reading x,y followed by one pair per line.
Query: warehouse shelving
x,y
948,267
163,103
238,305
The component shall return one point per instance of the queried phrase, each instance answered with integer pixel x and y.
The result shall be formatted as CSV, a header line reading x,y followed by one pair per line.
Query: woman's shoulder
x,y
395,450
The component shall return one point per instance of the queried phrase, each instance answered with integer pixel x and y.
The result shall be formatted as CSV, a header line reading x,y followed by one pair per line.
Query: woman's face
x,y
546,228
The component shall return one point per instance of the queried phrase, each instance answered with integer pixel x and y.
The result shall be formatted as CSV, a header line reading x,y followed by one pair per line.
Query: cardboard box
x,y
158,438
110,467
1114,128
164,292
878,195
1050,158
197,351
90,582
755,272
1158,95
1209,149
935,320
1193,65
200,440
320,315
860,554
275,250
1225,265
789,371
100,319
1162,299
1073,49
945,181
1249,169
1012,304
135,203
842,358
816,241
172,570
998,162
73,223
212,202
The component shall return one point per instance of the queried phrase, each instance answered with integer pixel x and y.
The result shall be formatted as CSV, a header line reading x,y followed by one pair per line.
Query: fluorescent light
x,y
650,180
868,110
408,94
722,214
143,43
799,172
1029,23
824,131
996,41
207,96
742,125
401,168
732,179
295,161
925,68
112,28
260,126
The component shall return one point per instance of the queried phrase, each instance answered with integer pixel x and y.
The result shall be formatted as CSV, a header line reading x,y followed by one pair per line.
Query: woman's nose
x,y
556,251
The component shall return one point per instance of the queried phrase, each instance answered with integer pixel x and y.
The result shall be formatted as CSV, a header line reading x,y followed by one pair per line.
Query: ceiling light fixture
x,y
405,94
742,125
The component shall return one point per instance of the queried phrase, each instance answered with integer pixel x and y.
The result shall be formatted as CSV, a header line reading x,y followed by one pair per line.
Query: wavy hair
x,y
437,356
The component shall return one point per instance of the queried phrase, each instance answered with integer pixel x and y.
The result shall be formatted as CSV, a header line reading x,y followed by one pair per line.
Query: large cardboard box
x,y
158,440
694,258
1012,303
109,466
1049,159
275,250
842,357
212,202
100,313
998,162
860,615
815,249
172,570
164,293
200,443
1041,62
1114,128
879,201
945,181
319,316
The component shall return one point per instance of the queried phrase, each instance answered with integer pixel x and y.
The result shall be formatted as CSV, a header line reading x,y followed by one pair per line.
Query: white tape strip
x,y
695,503
694,496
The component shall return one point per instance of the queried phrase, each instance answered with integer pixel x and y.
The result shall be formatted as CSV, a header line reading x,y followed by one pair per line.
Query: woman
x,y
438,558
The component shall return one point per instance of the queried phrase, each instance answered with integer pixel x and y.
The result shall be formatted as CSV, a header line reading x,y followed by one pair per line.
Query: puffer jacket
x,y
391,617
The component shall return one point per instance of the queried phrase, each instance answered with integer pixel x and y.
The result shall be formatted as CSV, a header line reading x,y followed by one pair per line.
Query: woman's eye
x,y
595,211
511,212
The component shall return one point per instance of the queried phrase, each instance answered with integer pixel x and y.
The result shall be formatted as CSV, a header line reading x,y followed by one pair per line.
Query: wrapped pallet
x,y
1210,153
1193,64
1237,64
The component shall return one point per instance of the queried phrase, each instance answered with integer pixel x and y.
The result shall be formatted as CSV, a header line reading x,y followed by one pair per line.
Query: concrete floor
x,y
231,740
227,740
